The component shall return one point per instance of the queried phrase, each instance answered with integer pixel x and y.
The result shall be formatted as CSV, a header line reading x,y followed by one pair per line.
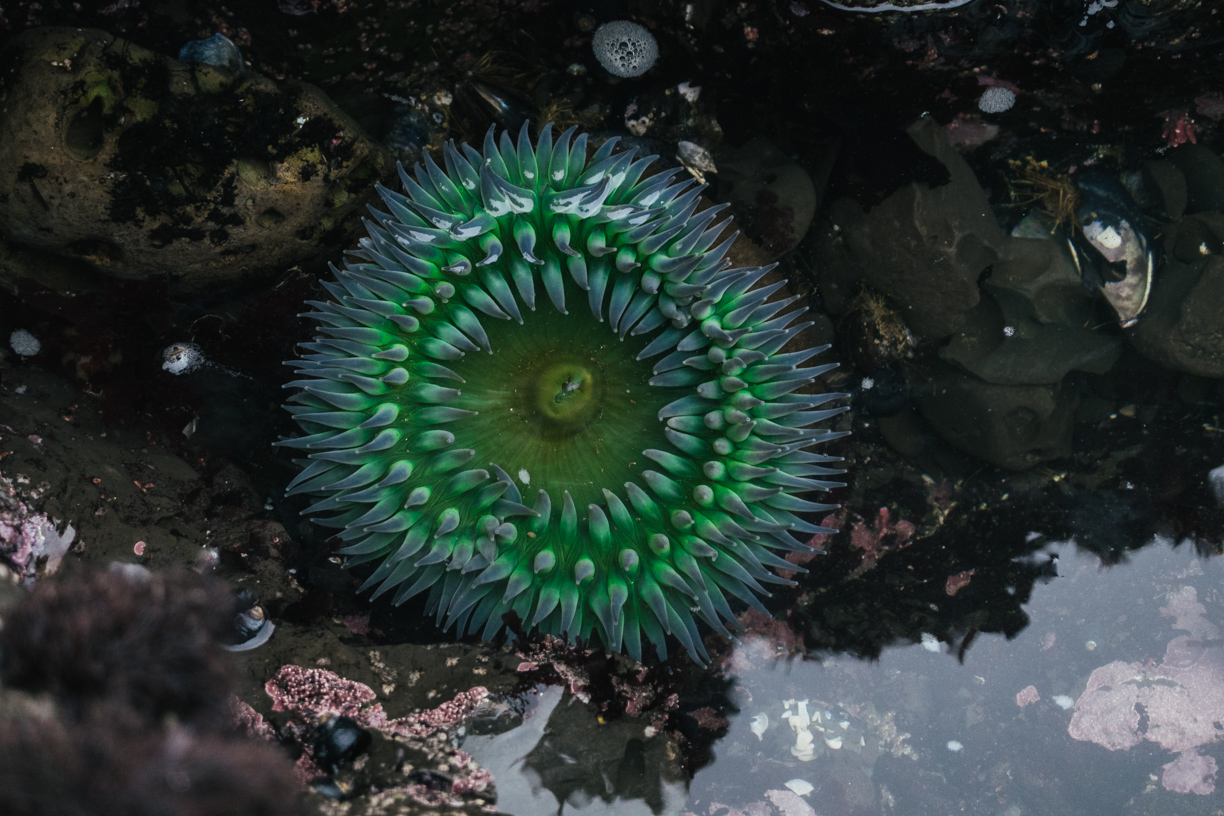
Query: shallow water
x,y
939,658
919,730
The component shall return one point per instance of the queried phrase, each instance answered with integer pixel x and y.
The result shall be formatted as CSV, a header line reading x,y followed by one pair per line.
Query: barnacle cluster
x,y
538,388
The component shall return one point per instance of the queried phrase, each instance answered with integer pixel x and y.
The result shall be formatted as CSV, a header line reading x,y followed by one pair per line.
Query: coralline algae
x,y
1183,698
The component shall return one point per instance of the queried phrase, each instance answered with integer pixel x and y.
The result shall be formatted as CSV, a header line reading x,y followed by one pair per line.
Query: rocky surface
x,y
152,504
968,439
1012,426
925,246
151,169
1182,328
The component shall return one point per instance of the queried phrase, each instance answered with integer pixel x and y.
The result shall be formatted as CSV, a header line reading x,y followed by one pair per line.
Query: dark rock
x,y
888,394
1194,236
1003,343
1166,186
1042,272
1011,426
906,433
873,333
925,247
1182,327
218,50
773,196
149,168
1204,173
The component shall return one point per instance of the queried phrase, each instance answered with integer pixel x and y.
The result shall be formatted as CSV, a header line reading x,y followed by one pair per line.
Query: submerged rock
x,y
773,195
1203,172
149,168
1181,327
1002,342
925,247
1011,426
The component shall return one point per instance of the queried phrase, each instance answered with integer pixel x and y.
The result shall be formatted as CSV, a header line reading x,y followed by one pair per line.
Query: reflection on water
x,y
918,731
562,759
1110,701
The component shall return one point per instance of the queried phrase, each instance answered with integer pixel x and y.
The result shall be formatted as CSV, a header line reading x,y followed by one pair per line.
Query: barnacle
x,y
539,389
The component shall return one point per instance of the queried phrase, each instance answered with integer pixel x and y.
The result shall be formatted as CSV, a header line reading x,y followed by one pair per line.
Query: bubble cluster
x,y
996,100
24,343
625,49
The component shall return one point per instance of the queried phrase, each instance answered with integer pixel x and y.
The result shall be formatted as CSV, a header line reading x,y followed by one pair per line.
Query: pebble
x,y
800,786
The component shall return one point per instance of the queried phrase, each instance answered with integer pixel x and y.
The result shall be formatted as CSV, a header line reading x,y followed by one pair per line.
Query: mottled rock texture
x,y
148,168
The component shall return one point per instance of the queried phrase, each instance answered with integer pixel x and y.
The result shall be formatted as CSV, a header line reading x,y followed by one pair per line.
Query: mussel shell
x,y
1112,248
251,627
338,740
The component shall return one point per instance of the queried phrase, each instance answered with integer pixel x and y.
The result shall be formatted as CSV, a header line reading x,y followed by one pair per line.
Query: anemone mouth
x,y
561,404
539,389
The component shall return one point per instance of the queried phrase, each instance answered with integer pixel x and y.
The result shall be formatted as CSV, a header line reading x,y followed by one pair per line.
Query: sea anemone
x,y
644,399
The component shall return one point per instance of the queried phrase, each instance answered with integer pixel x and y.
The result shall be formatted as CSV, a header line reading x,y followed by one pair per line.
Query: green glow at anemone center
x,y
559,401
537,390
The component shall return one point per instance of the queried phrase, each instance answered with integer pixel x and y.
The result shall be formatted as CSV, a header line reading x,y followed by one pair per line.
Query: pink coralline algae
x,y
312,694
1191,772
816,544
27,538
969,131
881,537
569,662
477,779
779,637
315,693
249,721
1175,704
789,803
358,624
1179,128
1210,105
959,581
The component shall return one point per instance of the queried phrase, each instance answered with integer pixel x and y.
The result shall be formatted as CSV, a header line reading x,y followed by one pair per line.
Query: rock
x,y
1181,327
117,486
149,168
926,247
1194,236
1011,426
906,433
1002,342
218,50
1166,186
1041,271
1204,174
789,803
773,195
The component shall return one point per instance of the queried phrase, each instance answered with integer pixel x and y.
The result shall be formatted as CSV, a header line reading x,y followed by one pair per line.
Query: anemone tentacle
x,y
539,388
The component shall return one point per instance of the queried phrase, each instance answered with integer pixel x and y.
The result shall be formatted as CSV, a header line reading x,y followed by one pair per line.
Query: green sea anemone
x,y
621,453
